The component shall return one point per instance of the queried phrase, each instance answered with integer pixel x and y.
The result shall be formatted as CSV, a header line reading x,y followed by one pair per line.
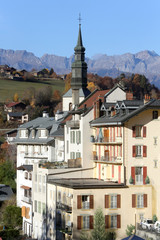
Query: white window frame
x,y
140,201
86,222
139,150
113,221
85,202
113,199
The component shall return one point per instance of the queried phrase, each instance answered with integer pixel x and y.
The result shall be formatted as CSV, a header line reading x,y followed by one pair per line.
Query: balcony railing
x,y
107,159
64,207
106,140
26,199
74,124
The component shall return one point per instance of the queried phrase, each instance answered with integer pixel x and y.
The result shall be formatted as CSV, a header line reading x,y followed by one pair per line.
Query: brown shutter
x,y
144,131
145,200
79,222
23,211
133,174
91,222
118,221
27,213
106,201
133,131
144,174
91,201
133,200
144,151
118,201
133,151
79,201
106,221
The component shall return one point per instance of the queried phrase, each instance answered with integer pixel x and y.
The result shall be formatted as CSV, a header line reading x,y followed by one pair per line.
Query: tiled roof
x,y
12,104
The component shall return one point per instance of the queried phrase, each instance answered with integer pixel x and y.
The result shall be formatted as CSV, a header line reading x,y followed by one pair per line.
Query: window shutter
x,y
118,221
91,222
106,221
133,131
79,136
106,201
118,201
91,201
79,201
145,200
27,213
144,174
144,151
133,200
73,137
79,222
23,213
133,174
134,151
144,131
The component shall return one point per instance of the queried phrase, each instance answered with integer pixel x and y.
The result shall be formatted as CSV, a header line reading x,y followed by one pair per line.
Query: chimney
x,y
129,96
146,98
45,114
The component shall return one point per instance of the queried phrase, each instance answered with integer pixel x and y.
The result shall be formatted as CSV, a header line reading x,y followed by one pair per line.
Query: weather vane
x,y
79,19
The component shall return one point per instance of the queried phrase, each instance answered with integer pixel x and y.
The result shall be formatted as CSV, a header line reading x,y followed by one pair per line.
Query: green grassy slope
x,y
9,87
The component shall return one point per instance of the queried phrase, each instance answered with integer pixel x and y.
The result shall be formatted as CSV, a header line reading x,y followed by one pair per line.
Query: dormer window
x,y
43,133
23,133
33,133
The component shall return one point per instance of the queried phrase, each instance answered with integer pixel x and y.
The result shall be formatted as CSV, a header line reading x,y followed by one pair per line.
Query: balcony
x,y
64,207
106,140
108,159
26,199
73,124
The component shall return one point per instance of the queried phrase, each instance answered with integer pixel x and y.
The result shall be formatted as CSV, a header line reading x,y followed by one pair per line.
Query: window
x,y
33,133
86,221
23,133
72,155
85,202
39,207
30,176
78,155
72,137
139,175
26,175
155,163
139,151
78,137
139,131
43,133
139,200
67,146
35,206
155,114
113,221
155,140
43,208
59,196
113,201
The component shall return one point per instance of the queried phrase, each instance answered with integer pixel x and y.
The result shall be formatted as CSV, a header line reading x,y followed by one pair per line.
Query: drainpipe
x,y
46,205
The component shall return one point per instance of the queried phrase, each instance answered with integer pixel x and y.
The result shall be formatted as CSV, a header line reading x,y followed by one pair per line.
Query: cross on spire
x,y
79,19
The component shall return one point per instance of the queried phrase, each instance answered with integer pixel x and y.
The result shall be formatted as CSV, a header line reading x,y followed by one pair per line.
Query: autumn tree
x,y
91,86
43,96
56,95
68,82
15,98
29,95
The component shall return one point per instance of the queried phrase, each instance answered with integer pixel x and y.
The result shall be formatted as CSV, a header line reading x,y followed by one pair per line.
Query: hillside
x,y
144,62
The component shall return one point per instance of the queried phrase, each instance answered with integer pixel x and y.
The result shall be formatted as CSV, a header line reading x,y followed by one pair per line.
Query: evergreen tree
x,y
99,232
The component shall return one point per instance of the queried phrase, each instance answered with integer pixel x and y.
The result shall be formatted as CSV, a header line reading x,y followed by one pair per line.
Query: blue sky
x,y
109,27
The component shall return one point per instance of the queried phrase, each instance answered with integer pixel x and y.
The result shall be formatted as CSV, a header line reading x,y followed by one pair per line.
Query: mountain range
x,y
144,62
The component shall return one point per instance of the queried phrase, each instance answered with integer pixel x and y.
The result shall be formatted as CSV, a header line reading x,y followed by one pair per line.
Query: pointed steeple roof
x,y
79,46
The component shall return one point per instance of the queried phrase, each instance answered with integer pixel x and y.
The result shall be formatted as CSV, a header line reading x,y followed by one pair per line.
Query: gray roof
x,y
5,192
120,118
39,123
116,86
83,92
85,183
16,114
58,133
28,168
